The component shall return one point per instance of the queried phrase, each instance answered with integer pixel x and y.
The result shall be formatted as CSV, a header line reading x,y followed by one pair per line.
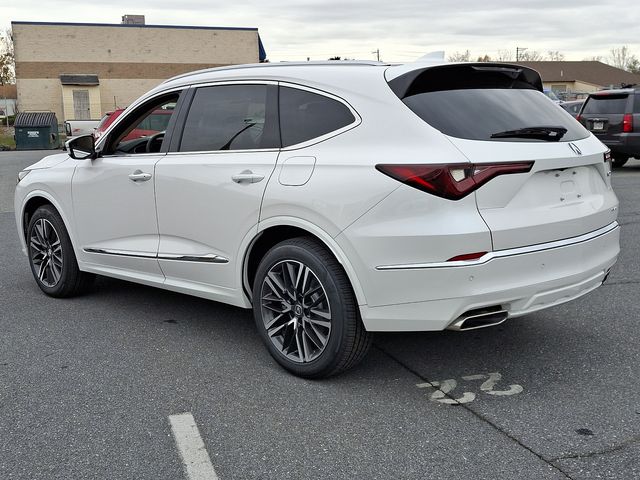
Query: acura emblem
x,y
575,149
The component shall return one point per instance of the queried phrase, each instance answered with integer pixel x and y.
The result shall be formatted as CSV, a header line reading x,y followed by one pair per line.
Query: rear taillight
x,y
627,123
607,158
451,181
579,118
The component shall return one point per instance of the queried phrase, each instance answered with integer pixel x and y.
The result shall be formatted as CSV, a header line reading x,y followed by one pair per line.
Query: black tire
x,y
619,161
346,341
61,277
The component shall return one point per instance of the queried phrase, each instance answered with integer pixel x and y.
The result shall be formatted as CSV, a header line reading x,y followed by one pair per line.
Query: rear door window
x,y
306,115
231,117
636,103
606,104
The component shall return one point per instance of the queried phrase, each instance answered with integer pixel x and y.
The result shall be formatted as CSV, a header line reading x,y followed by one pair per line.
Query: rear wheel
x,y
305,310
53,262
619,161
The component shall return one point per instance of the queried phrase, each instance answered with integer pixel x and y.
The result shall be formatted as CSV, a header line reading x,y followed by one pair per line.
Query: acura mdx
x,y
335,200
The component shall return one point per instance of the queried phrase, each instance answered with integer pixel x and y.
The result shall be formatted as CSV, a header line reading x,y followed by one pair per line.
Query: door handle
x,y
139,176
247,176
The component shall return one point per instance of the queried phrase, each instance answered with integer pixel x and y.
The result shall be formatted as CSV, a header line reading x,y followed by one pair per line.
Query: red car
x,y
154,123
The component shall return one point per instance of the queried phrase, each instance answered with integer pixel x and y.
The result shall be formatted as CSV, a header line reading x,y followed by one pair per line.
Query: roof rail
x,y
281,64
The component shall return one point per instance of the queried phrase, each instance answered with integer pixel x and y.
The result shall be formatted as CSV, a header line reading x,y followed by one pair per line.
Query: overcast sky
x,y
402,29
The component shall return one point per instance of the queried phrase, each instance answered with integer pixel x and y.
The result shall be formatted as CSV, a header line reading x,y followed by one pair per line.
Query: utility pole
x,y
377,52
519,50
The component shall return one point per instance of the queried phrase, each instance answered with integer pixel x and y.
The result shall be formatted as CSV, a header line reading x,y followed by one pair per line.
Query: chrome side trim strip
x,y
207,258
122,253
507,253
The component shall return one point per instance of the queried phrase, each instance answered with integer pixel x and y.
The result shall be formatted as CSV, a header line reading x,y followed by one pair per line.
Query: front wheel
x,y
305,310
51,255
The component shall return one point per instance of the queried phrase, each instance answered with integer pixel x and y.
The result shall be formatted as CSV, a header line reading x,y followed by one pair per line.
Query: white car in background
x,y
336,200
76,128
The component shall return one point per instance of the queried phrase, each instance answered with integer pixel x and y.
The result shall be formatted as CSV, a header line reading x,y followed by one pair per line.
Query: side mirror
x,y
82,147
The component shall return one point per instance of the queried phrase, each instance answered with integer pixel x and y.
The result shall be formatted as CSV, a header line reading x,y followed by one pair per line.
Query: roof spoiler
x,y
457,76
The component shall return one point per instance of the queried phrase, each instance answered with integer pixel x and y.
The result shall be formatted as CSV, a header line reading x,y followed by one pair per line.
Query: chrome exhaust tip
x,y
480,318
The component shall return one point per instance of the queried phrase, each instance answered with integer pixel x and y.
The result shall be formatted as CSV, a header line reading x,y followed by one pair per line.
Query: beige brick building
x,y
82,70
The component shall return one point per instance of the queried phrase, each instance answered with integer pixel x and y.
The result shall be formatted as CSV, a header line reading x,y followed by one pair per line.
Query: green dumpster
x,y
36,131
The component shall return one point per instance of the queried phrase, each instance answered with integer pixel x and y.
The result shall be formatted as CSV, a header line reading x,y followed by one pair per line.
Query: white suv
x,y
335,200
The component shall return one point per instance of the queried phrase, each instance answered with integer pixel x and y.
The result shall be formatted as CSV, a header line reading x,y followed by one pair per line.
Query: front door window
x,y
143,130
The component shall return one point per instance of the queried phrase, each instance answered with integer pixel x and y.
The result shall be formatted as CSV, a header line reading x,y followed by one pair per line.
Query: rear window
x,y
606,104
477,114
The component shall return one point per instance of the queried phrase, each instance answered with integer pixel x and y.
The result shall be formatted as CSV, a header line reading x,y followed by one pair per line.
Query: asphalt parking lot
x,y
87,385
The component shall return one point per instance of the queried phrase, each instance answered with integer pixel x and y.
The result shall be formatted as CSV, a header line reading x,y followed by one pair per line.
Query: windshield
x,y
481,113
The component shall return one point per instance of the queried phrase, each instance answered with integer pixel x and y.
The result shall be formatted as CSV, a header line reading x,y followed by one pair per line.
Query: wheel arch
x,y
31,203
274,231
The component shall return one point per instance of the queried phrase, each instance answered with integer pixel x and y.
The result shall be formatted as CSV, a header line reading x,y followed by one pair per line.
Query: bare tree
x,y
505,56
594,58
531,56
622,58
7,59
484,58
460,57
555,56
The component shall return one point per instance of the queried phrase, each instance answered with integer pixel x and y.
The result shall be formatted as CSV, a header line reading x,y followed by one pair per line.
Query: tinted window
x,y
231,117
636,103
476,113
305,115
606,104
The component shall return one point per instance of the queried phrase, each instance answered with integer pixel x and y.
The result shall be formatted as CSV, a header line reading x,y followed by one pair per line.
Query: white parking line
x,y
194,455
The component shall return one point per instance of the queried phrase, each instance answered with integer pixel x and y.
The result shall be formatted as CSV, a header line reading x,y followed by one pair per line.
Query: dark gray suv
x,y
614,117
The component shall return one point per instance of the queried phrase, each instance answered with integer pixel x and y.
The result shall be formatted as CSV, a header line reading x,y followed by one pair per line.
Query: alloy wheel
x,y
46,252
295,311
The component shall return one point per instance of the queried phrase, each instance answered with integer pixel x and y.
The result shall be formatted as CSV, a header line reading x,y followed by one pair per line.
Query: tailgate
x,y
603,114
567,193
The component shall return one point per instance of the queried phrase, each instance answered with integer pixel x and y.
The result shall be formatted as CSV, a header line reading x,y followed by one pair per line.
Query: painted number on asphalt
x,y
442,389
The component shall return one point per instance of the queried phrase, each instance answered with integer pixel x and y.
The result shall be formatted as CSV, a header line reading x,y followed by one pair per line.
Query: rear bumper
x,y
622,143
520,281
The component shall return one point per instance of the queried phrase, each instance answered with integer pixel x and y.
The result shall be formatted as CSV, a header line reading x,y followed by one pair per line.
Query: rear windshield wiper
x,y
550,134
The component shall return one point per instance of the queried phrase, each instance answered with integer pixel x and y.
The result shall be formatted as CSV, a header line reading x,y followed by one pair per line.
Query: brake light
x,y
579,118
451,181
627,123
607,157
